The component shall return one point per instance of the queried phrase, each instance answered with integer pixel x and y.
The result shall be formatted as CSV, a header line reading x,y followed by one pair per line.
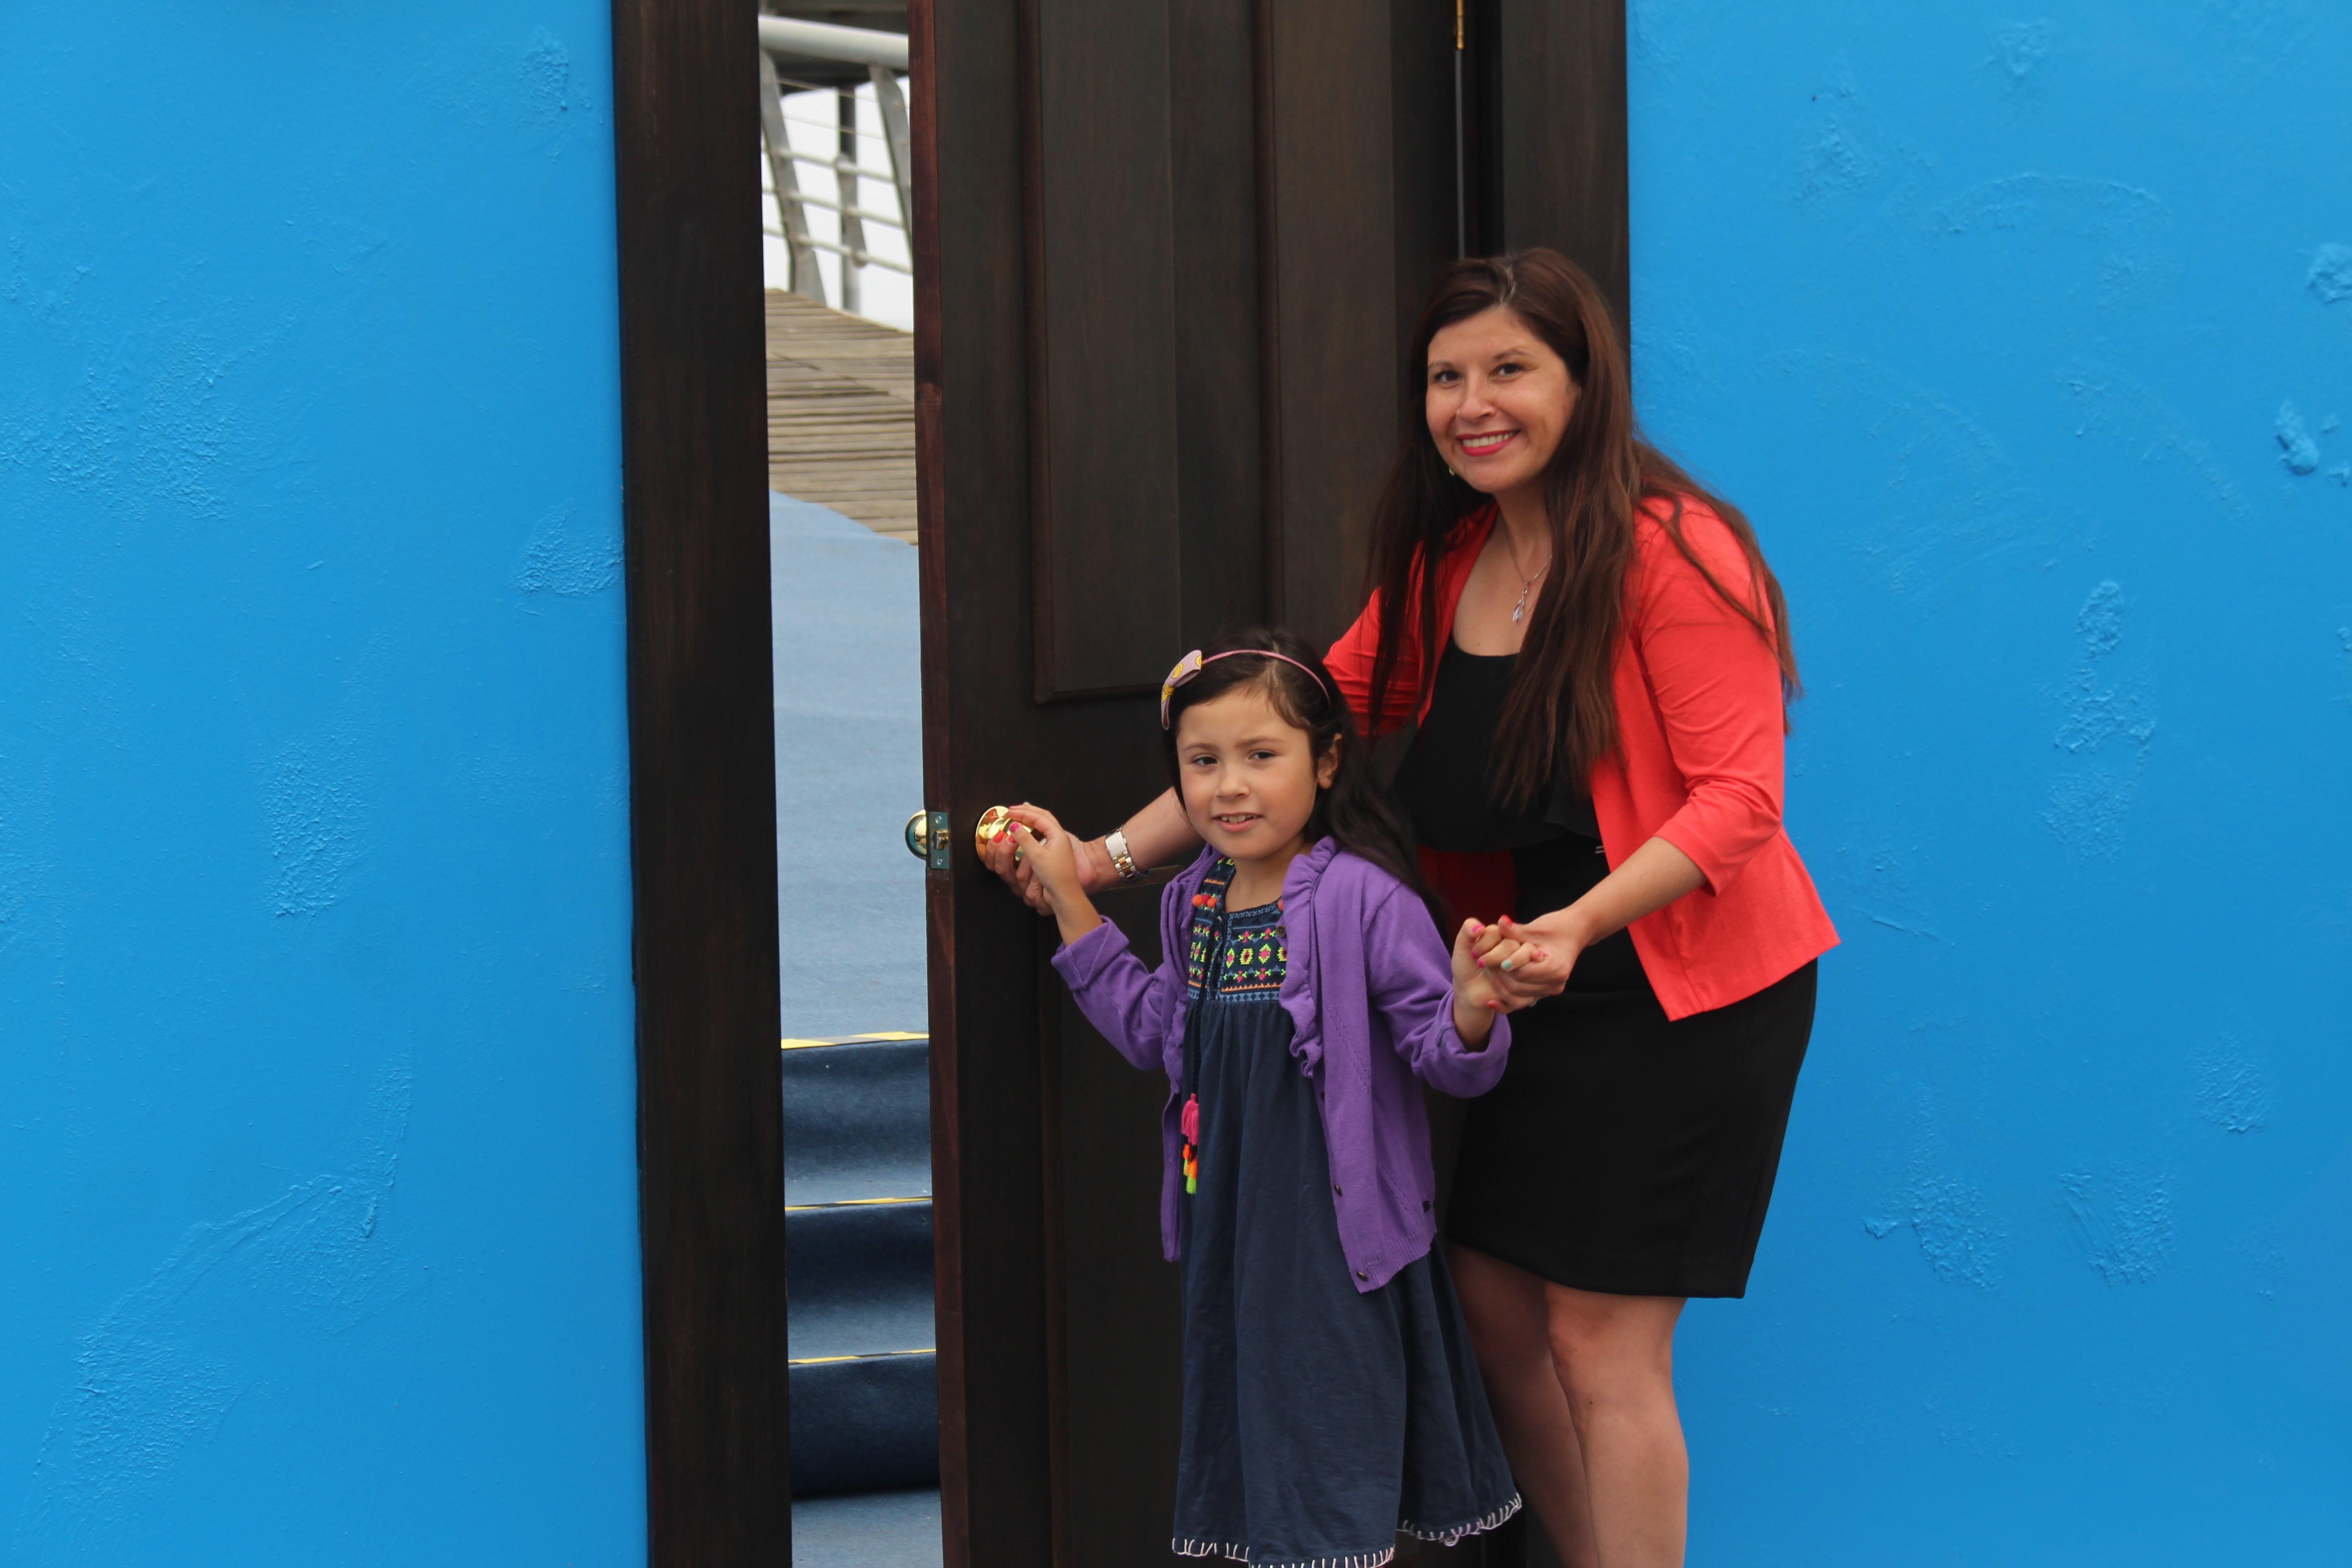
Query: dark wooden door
x,y
1167,254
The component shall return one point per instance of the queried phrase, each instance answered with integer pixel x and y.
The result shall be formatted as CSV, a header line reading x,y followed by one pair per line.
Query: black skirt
x,y
1627,1154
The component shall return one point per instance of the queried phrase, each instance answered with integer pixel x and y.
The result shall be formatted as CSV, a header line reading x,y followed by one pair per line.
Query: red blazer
x,y
1698,761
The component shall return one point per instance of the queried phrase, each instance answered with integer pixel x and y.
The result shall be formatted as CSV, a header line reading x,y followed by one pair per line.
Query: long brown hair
x,y
1561,713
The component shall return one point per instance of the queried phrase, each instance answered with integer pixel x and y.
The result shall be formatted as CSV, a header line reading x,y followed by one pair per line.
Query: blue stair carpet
x,y
863,1343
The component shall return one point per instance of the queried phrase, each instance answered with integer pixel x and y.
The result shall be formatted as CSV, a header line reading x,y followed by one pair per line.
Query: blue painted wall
x,y
2026,339
316,1079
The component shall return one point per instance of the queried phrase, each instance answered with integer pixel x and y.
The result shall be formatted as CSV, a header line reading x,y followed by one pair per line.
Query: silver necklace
x,y
1526,579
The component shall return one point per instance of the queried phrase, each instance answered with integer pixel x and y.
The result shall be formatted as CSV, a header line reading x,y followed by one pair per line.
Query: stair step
x,y
860,1279
865,1424
857,1118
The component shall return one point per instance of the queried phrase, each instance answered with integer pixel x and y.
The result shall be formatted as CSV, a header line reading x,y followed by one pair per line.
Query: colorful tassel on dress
x,y
1190,1124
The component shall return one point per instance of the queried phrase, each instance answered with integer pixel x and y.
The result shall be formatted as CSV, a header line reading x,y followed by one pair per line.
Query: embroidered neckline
x,y
1241,952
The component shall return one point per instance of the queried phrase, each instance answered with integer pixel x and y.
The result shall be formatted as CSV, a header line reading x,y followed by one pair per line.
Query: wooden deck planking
x,y
841,413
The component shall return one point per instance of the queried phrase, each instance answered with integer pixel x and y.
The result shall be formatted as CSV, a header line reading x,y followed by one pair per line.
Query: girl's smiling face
x,y
1249,774
1497,400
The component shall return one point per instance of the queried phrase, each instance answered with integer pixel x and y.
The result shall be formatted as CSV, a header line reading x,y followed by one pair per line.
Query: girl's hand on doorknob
x,y
1050,854
1043,850
1094,868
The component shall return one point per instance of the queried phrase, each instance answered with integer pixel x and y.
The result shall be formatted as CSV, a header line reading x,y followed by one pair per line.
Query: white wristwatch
x,y
1121,861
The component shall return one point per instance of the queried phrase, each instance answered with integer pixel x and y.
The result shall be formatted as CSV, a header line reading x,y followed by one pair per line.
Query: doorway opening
x,y
838,345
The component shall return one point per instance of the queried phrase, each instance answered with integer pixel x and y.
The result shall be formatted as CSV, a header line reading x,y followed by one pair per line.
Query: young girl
x,y
1330,1398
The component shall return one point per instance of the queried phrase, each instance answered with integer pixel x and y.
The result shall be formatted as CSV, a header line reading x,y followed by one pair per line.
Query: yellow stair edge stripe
x,y
853,1204
869,1356
792,1044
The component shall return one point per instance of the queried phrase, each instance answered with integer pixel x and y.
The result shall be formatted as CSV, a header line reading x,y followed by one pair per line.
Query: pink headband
x,y
1190,665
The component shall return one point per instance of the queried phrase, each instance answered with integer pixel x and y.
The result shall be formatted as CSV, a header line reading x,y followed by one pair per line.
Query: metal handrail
x,y
830,41
891,220
860,132
861,257
842,165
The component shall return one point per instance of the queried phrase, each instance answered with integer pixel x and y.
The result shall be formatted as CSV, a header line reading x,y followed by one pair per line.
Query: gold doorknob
x,y
919,835
994,821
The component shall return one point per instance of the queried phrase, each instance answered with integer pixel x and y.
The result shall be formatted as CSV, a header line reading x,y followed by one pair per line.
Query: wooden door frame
x,y
702,768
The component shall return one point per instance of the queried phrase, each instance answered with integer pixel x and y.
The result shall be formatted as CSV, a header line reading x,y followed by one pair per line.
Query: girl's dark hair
x,y
1561,711
1354,809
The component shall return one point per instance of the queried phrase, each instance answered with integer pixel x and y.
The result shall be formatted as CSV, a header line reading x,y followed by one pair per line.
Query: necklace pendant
x,y
1519,610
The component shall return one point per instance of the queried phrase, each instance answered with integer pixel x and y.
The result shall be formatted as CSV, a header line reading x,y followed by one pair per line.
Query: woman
x,y
1592,753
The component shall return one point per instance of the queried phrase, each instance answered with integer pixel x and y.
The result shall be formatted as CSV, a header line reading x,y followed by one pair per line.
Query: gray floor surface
x,y
850,768
876,1529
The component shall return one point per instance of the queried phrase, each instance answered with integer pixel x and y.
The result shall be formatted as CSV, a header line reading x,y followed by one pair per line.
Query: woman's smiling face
x,y
1497,400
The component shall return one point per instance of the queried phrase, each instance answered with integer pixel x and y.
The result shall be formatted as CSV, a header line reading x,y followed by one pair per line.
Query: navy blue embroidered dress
x,y
1319,1421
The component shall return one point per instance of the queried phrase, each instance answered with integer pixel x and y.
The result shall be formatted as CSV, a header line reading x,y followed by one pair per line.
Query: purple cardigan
x,y
1370,997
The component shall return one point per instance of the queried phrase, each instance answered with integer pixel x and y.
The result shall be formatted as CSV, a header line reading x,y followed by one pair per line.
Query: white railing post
x,y
852,227
897,138
791,215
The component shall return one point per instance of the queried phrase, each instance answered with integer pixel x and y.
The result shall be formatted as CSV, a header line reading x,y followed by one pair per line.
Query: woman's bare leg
x,y
1616,1356
1510,1330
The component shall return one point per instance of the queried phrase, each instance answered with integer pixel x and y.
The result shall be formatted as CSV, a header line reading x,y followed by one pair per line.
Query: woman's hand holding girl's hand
x,y
1050,854
1526,962
1475,1001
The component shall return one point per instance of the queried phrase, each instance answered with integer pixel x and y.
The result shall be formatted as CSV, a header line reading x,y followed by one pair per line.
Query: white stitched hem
x,y
1451,1534
1241,1554
1443,1536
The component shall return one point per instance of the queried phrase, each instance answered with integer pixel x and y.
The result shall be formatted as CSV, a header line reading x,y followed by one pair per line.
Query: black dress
x,y
1621,1153
1318,1420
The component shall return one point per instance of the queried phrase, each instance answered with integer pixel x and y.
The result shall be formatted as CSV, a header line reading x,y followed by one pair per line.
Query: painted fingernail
x,y
1507,964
